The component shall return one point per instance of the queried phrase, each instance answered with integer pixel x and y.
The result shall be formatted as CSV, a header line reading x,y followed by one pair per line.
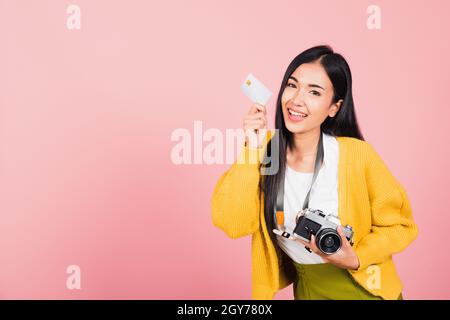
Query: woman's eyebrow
x,y
311,85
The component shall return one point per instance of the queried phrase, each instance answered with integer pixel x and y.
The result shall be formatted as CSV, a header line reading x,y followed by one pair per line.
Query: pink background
x,y
87,115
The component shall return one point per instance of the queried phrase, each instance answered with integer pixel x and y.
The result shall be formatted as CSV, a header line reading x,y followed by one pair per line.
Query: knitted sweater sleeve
x,y
235,200
393,227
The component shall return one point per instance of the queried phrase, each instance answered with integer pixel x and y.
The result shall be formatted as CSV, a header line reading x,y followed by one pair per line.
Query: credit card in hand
x,y
255,90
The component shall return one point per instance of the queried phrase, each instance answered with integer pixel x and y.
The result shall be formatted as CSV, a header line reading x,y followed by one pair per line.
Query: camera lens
x,y
328,241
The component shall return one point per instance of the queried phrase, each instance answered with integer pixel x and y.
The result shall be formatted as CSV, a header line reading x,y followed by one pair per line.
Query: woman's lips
x,y
296,116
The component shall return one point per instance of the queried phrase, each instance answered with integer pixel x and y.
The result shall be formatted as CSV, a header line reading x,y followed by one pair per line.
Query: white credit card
x,y
255,90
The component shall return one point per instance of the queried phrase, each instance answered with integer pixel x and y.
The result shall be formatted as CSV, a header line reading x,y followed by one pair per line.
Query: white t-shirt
x,y
323,196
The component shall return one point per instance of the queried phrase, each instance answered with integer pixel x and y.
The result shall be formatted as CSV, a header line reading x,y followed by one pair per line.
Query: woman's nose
x,y
298,97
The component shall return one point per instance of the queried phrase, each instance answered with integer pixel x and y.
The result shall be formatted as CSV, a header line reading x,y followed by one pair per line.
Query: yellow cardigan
x,y
370,199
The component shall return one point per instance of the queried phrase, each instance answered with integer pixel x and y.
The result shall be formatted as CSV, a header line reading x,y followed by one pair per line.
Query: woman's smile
x,y
296,115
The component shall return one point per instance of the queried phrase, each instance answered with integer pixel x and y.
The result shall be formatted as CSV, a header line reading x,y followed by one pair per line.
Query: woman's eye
x,y
316,93
290,85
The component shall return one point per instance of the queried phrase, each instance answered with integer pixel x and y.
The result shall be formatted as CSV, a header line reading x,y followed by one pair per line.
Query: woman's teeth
x,y
297,114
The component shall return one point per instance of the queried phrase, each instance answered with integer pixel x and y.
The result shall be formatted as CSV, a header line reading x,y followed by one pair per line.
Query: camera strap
x,y
279,210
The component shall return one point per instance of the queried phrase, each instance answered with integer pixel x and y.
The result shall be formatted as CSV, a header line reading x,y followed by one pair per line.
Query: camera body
x,y
311,221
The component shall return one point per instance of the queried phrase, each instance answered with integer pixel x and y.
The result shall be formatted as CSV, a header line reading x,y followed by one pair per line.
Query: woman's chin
x,y
294,128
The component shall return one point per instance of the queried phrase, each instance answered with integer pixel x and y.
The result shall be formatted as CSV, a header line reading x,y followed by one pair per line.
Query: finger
x,y
313,246
306,244
251,129
258,115
342,235
253,110
254,125
258,122
253,118
260,107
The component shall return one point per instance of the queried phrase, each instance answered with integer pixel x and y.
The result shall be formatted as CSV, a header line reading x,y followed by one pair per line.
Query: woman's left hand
x,y
345,257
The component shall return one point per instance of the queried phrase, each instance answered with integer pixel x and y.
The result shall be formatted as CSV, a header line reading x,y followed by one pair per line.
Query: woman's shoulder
x,y
359,149
363,153
354,143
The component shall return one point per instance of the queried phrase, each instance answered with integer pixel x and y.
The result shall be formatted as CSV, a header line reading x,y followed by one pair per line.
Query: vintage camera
x,y
310,221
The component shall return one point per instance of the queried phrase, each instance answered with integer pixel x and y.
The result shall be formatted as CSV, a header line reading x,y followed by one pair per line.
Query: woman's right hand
x,y
255,125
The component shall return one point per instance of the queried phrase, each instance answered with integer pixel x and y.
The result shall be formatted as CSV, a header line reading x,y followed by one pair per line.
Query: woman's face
x,y
307,98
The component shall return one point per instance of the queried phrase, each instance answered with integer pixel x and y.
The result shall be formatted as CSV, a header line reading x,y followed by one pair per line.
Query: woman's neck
x,y
305,144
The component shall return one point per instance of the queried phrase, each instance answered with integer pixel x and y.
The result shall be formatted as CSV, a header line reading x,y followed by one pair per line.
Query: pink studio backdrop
x,y
87,115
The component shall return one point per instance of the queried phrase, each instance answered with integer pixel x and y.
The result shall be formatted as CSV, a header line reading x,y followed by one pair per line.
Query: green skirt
x,y
326,281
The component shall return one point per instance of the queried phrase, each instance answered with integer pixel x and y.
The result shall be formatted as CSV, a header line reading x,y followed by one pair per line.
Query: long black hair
x,y
344,123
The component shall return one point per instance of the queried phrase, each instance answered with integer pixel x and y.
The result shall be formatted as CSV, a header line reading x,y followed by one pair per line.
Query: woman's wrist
x,y
253,143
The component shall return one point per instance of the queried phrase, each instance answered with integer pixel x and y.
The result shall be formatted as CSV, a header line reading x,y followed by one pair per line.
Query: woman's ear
x,y
335,108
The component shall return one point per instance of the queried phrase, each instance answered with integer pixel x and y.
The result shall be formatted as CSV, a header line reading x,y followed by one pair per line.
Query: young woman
x,y
324,164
